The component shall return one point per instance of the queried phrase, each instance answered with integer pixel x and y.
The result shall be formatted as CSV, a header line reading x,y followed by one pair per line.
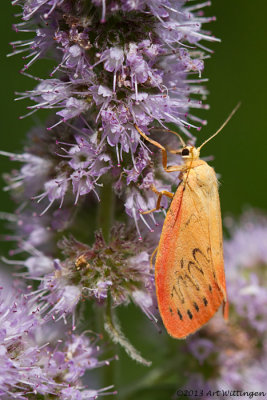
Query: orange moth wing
x,y
189,268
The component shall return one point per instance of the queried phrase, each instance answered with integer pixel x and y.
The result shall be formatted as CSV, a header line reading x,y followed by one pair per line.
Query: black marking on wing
x,y
192,216
196,306
189,314
189,278
205,301
185,280
196,251
179,280
178,293
180,286
179,313
194,281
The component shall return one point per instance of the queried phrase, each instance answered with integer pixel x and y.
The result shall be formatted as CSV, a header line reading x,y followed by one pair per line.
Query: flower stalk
x,y
106,209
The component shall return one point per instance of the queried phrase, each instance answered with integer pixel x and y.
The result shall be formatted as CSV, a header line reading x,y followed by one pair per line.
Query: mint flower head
x,y
120,65
36,362
246,257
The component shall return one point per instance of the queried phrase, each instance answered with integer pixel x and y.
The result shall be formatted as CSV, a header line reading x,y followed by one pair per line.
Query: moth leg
x,y
152,256
167,168
160,194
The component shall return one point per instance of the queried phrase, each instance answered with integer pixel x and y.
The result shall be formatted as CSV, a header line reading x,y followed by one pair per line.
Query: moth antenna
x,y
179,136
222,126
175,133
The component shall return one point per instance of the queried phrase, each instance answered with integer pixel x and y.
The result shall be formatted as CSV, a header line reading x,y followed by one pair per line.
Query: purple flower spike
x,y
110,78
246,252
28,366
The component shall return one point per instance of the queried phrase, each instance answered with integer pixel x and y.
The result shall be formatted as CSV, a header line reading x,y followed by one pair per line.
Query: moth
x,y
189,267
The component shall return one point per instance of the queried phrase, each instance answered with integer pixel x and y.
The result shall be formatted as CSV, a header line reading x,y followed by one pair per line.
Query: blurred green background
x,y
236,72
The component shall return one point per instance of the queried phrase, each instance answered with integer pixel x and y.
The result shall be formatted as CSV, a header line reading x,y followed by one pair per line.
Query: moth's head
x,y
190,153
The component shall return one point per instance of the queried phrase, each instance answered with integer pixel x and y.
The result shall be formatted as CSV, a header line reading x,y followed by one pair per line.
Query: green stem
x,y
105,214
105,218
106,208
